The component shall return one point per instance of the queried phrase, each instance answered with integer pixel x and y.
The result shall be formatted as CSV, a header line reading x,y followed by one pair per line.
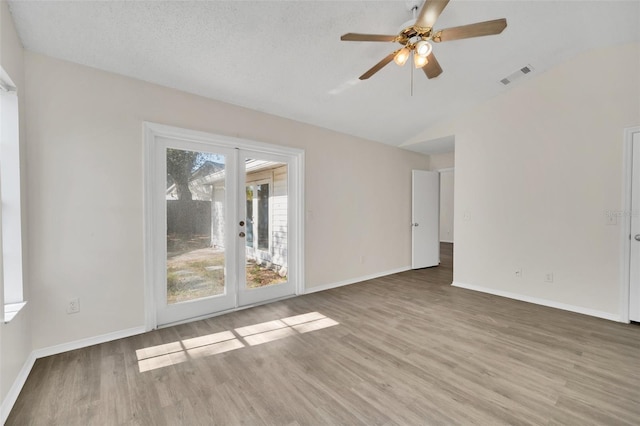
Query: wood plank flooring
x,y
402,349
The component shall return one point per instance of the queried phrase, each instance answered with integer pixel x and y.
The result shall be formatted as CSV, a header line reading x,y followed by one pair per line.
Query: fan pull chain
x,y
414,9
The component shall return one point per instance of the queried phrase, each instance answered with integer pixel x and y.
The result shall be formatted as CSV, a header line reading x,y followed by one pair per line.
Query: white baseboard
x,y
12,395
538,301
355,280
89,341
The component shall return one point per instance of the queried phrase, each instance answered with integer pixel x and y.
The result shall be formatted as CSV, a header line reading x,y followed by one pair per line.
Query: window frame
x,y
11,237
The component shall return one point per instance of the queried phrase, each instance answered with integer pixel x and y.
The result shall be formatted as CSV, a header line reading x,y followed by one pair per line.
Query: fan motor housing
x,y
413,34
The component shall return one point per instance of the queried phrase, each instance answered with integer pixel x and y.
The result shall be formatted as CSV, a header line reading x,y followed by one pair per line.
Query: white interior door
x,y
425,219
634,278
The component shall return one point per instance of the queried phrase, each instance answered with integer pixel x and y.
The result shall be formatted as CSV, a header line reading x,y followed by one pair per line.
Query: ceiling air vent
x,y
516,75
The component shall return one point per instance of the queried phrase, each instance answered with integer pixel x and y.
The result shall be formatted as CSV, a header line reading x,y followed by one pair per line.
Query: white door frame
x,y
625,217
153,131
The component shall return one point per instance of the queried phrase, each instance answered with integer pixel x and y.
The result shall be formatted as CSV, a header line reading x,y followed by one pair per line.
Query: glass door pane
x,y
195,225
266,211
197,276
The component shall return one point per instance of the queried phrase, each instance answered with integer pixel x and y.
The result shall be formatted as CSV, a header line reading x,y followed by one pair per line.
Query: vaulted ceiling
x,y
286,57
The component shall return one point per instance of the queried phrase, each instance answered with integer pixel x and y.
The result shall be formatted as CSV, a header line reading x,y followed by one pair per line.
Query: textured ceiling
x,y
286,57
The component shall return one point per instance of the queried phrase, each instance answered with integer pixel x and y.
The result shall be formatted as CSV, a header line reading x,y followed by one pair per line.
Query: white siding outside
x,y
278,205
217,215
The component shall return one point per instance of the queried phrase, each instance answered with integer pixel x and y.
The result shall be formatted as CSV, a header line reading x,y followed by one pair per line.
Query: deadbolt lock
x,y
241,234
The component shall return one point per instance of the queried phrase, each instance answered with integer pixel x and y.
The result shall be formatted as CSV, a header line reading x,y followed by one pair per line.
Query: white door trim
x,y
625,218
153,131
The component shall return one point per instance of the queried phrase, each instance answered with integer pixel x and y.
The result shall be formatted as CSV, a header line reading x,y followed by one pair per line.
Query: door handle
x,y
637,237
241,234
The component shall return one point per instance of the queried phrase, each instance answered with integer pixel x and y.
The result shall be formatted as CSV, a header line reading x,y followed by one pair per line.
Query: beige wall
x,y
15,337
536,170
85,177
442,161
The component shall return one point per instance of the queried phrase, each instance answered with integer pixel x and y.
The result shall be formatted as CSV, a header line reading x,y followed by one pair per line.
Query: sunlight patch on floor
x,y
165,355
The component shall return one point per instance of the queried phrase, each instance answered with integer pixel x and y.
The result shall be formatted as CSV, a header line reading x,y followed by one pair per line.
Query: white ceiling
x,y
286,57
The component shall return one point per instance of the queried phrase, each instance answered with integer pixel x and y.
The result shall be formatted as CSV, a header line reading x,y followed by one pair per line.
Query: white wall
x,y
536,170
438,162
15,337
85,177
446,206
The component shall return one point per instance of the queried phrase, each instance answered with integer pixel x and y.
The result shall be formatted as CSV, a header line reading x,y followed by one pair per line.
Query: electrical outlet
x,y
548,277
518,273
73,306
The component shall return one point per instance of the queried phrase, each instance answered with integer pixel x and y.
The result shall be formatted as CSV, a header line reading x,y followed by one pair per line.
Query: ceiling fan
x,y
416,38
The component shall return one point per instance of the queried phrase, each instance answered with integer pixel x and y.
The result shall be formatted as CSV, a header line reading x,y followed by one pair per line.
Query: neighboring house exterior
x,y
266,205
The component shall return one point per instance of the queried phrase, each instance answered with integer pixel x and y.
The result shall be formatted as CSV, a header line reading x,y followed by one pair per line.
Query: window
x,y
10,211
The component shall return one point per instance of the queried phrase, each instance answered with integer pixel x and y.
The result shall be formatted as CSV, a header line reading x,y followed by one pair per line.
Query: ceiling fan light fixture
x,y
423,48
417,35
402,56
420,61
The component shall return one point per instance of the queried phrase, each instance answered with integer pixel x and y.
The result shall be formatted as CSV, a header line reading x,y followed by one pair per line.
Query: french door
x,y
223,226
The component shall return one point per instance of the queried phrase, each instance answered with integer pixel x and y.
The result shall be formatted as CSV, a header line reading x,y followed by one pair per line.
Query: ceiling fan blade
x,y
430,12
367,37
432,69
472,30
377,67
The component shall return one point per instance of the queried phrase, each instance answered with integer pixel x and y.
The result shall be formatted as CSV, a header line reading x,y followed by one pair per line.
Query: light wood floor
x,y
406,349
